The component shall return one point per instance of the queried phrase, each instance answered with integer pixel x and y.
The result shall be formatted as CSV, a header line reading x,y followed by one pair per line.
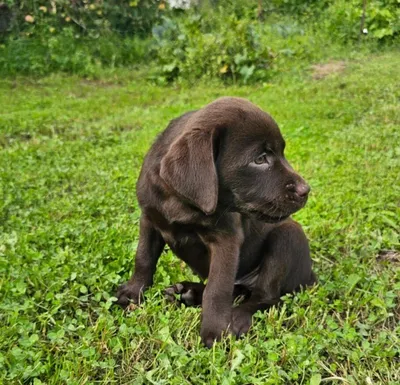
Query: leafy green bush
x,y
241,42
69,52
75,36
296,7
343,19
91,17
223,47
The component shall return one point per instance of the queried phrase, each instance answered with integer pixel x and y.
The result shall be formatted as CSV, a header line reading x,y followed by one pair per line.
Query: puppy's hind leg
x,y
286,267
188,293
191,293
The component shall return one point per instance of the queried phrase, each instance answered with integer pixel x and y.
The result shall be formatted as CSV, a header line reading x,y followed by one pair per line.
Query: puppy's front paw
x,y
241,321
212,332
127,295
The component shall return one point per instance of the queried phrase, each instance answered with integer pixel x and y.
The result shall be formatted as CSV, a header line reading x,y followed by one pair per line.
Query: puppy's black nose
x,y
301,189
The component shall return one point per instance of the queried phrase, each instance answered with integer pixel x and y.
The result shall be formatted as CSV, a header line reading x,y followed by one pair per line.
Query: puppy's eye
x,y
262,159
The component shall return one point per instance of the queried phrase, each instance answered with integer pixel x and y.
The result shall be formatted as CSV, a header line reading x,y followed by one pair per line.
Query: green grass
x,y
71,151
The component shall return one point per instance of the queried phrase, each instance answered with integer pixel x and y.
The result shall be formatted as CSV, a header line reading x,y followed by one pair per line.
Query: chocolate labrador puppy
x,y
216,187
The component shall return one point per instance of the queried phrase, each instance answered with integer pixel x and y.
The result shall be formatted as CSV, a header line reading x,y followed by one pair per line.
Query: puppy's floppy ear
x,y
189,169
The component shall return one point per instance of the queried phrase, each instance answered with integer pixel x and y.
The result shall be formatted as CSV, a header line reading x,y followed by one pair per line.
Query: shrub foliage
x,y
234,40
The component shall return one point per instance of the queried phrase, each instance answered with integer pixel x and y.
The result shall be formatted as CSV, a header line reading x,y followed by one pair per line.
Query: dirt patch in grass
x,y
321,71
102,83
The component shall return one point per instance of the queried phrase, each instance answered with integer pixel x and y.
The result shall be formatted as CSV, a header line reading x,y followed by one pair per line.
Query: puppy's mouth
x,y
273,212
271,215
262,216
269,218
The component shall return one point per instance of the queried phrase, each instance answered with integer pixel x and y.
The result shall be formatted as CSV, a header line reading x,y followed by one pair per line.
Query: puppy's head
x,y
231,153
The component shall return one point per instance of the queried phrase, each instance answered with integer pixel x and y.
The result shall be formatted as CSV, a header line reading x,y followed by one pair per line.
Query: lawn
x,y
70,153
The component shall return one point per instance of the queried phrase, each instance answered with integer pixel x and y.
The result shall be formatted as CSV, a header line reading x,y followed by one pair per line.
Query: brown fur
x,y
216,188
